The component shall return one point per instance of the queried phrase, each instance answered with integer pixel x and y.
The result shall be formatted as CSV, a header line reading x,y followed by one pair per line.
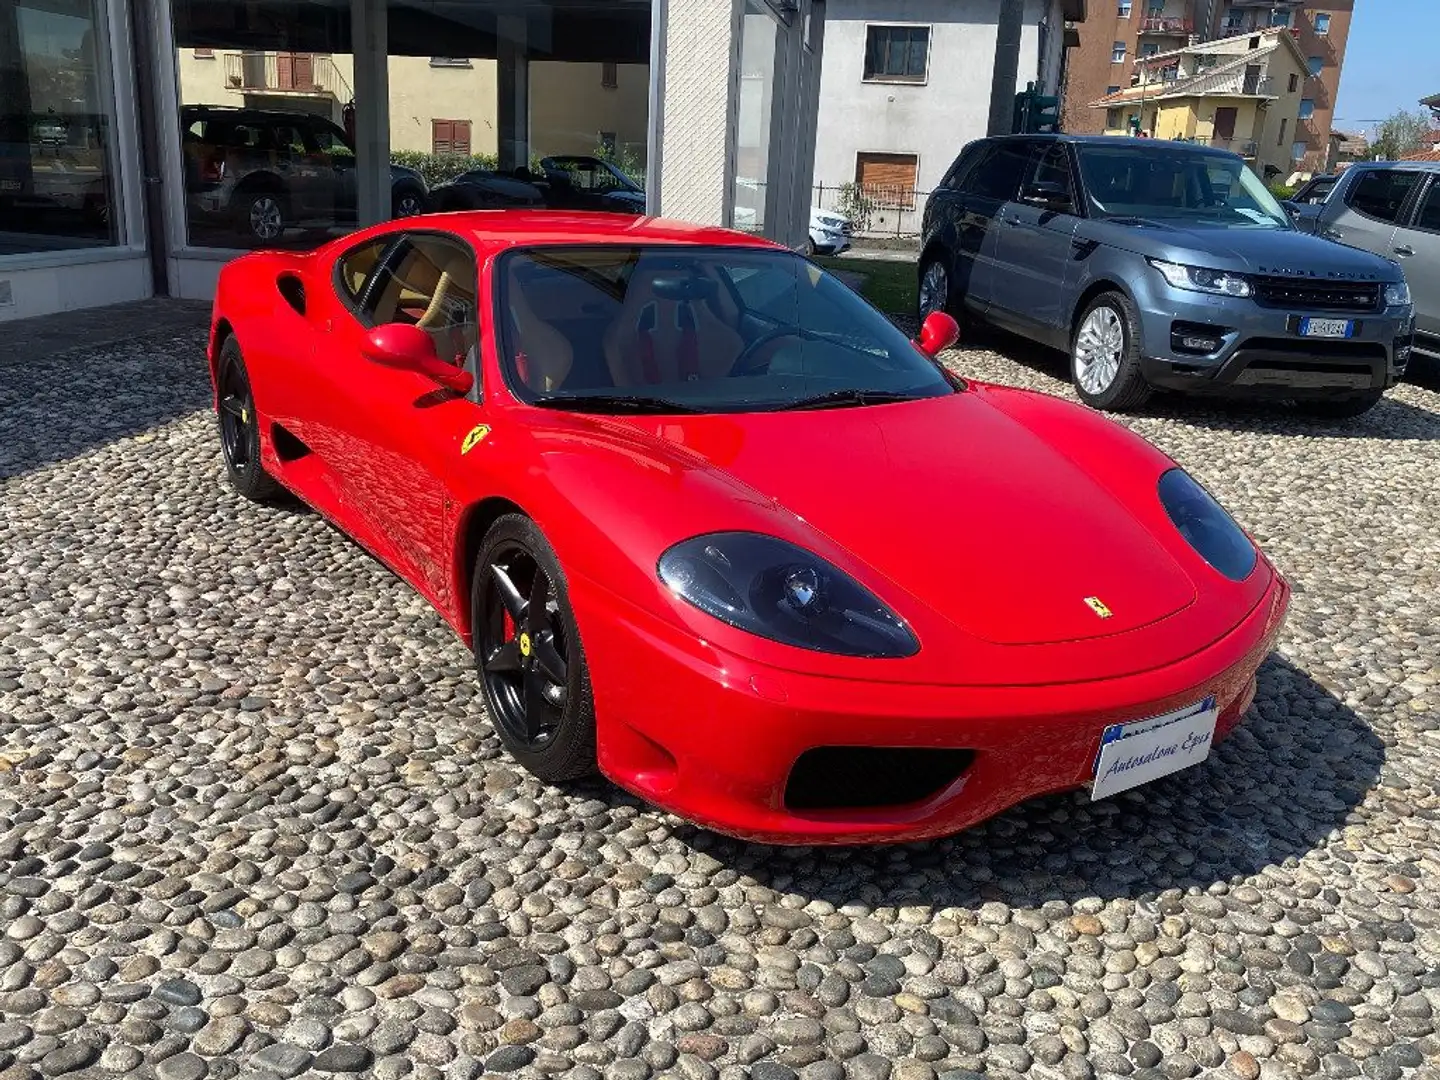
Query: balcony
x,y
1279,5
1246,148
1168,25
300,74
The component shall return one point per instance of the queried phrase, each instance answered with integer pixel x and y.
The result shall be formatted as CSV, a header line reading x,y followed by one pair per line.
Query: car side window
x,y
1051,169
427,280
1428,216
997,174
288,139
1381,193
354,268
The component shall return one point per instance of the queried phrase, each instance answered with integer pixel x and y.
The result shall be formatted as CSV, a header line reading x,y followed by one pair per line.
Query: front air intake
x,y
865,777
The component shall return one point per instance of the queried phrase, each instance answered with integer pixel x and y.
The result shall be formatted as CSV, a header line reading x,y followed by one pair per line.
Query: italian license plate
x,y
1136,753
1331,328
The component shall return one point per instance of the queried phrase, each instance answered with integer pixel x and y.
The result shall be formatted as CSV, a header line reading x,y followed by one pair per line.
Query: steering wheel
x,y
746,363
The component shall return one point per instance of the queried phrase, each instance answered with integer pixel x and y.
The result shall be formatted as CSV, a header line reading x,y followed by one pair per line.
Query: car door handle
x,y
1405,251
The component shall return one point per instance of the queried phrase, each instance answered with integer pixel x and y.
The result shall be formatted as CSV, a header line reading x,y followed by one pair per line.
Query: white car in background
x,y
830,232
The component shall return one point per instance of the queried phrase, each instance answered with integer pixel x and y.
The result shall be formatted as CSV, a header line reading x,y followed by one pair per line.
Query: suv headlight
x,y
1397,294
1206,526
1199,279
776,590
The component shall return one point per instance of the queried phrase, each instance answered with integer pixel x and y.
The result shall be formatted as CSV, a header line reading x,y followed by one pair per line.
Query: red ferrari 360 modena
x,y
713,525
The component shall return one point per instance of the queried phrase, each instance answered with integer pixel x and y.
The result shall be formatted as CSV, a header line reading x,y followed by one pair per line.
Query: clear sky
x,y
1392,60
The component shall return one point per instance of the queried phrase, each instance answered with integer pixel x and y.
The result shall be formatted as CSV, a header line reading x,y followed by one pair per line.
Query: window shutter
x,y
460,142
889,179
441,134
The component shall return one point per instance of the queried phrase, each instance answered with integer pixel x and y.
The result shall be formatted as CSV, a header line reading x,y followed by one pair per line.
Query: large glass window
x,y
753,117
57,168
491,103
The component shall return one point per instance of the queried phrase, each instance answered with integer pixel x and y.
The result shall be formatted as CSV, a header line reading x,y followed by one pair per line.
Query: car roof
x,y
239,112
1109,140
1422,166
527,228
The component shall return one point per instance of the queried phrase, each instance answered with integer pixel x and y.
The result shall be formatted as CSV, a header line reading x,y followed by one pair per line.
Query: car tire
x,y
810,249
545,717
263,216
936,288
1341,408
407,202
240,427
1105,355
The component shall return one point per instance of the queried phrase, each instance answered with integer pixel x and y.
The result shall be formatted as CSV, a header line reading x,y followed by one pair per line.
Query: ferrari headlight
x,y
772,588
1199,279
1397,294
1206,526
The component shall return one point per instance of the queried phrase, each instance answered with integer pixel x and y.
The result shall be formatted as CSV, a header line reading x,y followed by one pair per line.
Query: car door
x,y
339,159
1417,247
1364,214
974,217
395,436
295,160
1033,251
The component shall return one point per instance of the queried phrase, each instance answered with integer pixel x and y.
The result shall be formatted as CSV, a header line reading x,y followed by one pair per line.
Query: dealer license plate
x,y
1331,328
1136,753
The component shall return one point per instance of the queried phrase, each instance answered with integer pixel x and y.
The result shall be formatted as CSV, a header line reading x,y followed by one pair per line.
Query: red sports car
x,y
713,525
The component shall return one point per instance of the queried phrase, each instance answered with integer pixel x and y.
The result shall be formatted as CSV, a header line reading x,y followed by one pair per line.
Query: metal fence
x,y
876,212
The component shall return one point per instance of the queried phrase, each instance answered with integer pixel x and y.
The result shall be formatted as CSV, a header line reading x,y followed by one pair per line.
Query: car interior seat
x,y
669,329
543,355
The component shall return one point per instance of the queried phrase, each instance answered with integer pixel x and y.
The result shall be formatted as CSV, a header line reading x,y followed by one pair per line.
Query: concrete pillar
x,y
512,73
697,94
370,41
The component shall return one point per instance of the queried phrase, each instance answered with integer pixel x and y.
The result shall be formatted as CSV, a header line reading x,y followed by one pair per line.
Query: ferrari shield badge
x,y
474,438
1098,607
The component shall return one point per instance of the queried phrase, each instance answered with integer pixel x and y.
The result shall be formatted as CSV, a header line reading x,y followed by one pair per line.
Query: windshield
x,y
1165,182
691,329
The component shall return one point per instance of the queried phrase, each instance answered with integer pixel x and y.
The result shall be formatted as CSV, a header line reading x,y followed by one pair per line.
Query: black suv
x,y
263,171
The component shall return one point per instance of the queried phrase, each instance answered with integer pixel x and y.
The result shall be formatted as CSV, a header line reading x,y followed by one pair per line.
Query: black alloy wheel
x,y
527,650
240,428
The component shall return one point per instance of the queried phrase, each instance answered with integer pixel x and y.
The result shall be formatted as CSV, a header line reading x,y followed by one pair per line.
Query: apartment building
x,y
1119,35
1238,93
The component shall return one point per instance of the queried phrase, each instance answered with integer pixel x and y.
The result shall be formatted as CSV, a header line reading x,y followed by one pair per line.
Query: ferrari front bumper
x,y
716,738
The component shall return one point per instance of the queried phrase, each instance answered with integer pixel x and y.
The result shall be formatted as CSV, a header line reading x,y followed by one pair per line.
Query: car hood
x,y
959,505
1251,251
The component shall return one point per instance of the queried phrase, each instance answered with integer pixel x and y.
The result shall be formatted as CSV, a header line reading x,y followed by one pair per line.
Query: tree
x,y
1403,133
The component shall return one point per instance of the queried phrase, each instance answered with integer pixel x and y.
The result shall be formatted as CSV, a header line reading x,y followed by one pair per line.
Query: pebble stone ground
x,y
254,823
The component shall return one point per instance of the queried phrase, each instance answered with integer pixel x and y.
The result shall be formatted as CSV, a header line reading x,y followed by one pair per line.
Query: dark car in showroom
x,y
263,171
1160,264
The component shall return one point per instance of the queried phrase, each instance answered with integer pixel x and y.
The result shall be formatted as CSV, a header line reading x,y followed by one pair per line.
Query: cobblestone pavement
x,y
253,821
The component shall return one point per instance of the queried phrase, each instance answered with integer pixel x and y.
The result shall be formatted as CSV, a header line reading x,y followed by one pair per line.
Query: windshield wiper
x,y
840,399
612,403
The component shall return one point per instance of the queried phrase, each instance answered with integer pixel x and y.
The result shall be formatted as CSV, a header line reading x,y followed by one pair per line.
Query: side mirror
x,y
1047,194
408,348
937,334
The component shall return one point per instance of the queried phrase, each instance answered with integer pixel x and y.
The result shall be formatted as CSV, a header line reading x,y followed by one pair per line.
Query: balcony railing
x,y
1277,4
1167,24
1244,147
286,73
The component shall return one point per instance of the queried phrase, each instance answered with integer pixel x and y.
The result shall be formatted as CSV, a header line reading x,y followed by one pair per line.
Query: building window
x,y
1112,119
1316,64
1124,9
450,61
1149,49
1322,23
888,179
1157,7
450,136
204,54
609,75
1111,90
1284,124
1307,108
1297,150
57,123
1294,82
1280,18
897,53
1117,53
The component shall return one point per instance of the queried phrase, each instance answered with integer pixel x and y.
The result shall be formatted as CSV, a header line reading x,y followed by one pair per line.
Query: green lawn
x,y
890,286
